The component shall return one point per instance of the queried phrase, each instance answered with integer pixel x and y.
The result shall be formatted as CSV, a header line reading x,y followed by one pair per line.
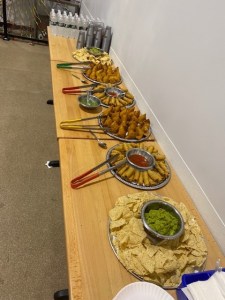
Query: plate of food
x,y
151,179
84,55
102,73
113,95
125,124
162,264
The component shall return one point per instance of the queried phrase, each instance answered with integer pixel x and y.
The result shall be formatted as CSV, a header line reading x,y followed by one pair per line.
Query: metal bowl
x,y
114,92
89,101
95,51
157,204
140,159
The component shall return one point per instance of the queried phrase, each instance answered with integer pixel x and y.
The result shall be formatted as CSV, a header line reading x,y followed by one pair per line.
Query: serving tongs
x,y
83,178
73,90
72,65
70,125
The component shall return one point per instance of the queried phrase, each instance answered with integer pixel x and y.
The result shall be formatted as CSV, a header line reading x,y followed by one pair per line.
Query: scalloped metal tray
x,y
95,81
135,185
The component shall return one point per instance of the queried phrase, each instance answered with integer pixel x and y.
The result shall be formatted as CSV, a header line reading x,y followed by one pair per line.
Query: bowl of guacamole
x,y
95,51
89,101
162,220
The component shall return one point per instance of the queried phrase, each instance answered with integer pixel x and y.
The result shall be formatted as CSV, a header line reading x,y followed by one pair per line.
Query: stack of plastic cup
x,y
81,39
106,41
90,36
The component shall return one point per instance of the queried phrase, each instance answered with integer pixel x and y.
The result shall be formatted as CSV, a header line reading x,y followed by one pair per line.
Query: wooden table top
x,y
94,271
61,48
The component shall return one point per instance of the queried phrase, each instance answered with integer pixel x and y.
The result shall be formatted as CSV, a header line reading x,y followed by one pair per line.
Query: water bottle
x,y
52,12
70,17
60,25
74,30
85,24
79,23
66,32
53,22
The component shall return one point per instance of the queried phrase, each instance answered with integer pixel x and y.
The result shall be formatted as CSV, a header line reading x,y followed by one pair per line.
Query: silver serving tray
x,y
115,252
105,105
95,81
135,185
127,106
111,237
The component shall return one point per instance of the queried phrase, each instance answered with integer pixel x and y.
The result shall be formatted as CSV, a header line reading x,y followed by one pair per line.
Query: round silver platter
x,y
115,252
111,237
95,81
135,185
123,139
127,106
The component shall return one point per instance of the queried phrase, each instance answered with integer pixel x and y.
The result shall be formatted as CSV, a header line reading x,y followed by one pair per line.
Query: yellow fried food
x,y
149,178
128,118
103,73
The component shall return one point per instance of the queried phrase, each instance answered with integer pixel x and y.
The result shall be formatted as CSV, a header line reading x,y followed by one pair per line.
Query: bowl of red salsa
x,y
140,159
114,92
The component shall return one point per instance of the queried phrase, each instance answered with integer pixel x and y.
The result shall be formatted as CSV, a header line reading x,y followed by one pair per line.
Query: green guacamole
x,y
90,102
95,51
162,221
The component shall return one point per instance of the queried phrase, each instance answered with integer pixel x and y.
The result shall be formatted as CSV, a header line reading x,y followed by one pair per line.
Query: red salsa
x,y
139,160
112,94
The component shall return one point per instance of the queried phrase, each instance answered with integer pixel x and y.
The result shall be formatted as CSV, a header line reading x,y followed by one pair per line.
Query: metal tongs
x,y
72,65
83,178
69,125
73,90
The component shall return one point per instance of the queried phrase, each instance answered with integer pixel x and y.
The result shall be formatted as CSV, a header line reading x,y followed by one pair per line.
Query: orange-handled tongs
x,y
77,89
83,178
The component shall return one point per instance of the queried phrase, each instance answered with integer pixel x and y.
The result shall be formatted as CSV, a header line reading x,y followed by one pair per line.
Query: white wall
x,y
172,56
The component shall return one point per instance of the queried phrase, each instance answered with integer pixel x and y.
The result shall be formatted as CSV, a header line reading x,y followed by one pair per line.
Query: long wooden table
x,y
94,271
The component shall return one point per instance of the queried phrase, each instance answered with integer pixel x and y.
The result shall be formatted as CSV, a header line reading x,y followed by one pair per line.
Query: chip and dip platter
x,y
163,263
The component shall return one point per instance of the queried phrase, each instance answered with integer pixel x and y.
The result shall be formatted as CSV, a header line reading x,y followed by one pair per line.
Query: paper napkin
x,y
213,288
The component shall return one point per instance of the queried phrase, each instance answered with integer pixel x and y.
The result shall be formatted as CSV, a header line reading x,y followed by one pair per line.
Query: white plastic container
x,y
53,22
60,26
66,29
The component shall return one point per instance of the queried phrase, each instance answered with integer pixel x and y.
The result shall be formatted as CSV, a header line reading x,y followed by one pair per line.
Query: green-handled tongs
x,y
72,65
